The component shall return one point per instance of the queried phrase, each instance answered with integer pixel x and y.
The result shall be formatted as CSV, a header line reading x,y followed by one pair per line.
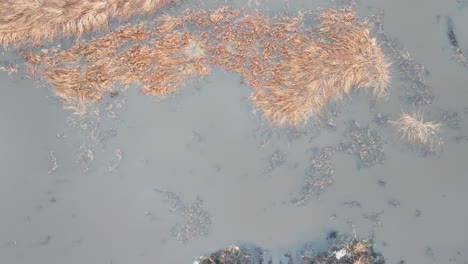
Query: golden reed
x,y
295,64
422,135
33,21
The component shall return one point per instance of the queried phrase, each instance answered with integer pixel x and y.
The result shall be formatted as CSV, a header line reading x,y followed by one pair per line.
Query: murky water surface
x,y
164,181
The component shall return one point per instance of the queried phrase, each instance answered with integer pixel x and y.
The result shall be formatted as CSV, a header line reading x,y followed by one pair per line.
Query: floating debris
x,y
374,217
53,162
429,252
45,241
454,43
353,204
197,137
382,183
10,68
352,251
451,119
106,134
417,213
416,133
52,199
113,93
394,203
86,156
461,138
10,243
115,162
294,133
419,92
196,222
276,160
112,107
91,133
319,175
341,250
364,143
381,119
234,254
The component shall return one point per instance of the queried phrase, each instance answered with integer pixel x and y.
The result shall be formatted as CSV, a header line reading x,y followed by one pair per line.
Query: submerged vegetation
x,y
294,63
196,221
365,143
319,175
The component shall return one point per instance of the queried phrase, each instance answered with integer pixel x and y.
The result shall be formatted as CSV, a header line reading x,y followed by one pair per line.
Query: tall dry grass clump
x,y
414,131
32,21
294,63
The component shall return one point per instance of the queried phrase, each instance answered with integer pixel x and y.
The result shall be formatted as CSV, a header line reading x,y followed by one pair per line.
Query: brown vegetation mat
x,y
294,63
36,20
345,251
349,252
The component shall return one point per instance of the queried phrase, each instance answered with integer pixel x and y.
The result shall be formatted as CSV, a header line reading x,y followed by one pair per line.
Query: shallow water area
x,y
164,180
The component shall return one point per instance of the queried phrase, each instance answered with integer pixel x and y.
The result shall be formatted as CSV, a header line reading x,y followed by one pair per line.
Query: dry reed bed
x,y
294,68
33,21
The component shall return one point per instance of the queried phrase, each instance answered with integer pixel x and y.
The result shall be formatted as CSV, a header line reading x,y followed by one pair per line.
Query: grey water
x,y
121,189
